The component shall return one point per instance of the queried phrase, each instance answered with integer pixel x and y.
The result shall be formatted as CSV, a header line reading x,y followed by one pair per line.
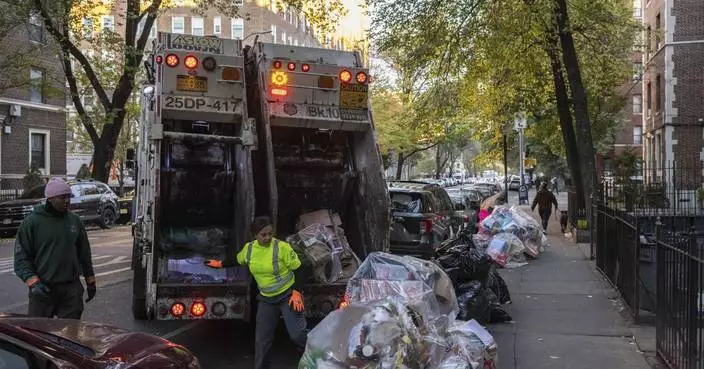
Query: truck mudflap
x,y
322,299
185,302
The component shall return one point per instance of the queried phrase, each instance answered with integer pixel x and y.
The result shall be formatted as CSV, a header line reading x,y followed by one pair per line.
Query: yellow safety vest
x,y
272,266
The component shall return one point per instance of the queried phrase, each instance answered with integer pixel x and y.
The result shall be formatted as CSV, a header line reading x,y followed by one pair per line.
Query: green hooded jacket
x,y
52,246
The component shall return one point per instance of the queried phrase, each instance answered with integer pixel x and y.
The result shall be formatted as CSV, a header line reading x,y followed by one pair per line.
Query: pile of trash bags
x,y
323,248
510,235
480,289
401,314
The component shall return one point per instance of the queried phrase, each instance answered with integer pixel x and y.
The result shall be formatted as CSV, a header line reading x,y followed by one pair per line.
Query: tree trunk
x,y
585,145
399,165
563,109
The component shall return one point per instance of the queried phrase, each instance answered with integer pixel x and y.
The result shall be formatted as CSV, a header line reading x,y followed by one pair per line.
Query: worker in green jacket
x,y
51,252
272,263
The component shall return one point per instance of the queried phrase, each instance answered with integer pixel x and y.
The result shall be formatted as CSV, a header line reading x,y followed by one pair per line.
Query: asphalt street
x,y
217,344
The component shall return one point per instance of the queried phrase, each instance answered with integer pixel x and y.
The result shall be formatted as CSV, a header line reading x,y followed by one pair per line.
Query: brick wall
x,y
47,116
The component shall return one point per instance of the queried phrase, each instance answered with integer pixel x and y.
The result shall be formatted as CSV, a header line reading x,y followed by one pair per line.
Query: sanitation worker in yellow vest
x,y
272,262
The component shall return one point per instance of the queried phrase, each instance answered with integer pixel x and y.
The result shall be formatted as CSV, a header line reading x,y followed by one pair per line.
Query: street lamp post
x,y
506,131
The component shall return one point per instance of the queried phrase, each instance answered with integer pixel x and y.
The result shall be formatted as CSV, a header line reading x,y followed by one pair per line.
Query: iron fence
x,y
618,253
675,188
680,310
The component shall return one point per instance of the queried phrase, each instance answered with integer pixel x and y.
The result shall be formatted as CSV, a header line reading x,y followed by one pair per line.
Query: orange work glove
x,y
296,301
217,264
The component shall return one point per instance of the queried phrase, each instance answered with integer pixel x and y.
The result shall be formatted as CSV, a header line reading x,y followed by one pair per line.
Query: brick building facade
x,y
32,114
629,138
673,90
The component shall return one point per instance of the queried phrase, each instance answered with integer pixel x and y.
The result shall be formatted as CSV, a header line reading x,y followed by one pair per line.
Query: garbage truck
x,y
195,194
317,149
227,134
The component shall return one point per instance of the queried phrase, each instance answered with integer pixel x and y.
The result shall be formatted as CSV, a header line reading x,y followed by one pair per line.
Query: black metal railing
x,y
680,303
617,251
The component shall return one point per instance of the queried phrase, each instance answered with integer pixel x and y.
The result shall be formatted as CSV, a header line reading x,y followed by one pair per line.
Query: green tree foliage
x,y
498,54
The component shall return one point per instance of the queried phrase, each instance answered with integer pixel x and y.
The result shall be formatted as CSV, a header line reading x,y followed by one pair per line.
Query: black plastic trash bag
x,y
476,265
498,286
474,302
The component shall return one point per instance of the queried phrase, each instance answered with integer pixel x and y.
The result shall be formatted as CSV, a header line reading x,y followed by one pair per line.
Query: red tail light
x,y
345,302
291,66
178,309
426,226
198,309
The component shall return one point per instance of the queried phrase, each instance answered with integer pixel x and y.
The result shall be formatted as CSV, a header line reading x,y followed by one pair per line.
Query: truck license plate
x,y
201,104
123,211
191,83
7,221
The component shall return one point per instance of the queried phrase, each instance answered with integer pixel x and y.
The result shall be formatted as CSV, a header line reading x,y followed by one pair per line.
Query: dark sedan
x,y
42,343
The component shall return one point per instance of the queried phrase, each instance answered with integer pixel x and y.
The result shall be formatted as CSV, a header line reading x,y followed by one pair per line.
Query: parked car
x,y
423,216
92,201
475,197
494,188
514,185
462,205
125,204
34,343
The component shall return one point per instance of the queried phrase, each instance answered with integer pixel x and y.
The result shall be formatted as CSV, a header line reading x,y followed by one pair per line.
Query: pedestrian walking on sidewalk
x,y
51,252
272,263
544,199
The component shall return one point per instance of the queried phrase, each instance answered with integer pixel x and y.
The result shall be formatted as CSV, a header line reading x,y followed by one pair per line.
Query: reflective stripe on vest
x,y
280,281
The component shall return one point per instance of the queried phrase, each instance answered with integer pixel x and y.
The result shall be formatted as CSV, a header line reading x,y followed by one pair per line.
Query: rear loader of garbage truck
x,y
317,150
195,196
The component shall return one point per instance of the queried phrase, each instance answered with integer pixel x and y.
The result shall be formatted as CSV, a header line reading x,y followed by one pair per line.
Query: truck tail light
x,y
198,309
209,64
361,78
178,309
218,309
426,226
305,67
190,61
277,64
279,78
345,302
279,91
172,60
159,59
291,66
345,76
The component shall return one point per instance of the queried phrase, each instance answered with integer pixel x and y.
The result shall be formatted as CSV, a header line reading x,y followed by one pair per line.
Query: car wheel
x,y
107,218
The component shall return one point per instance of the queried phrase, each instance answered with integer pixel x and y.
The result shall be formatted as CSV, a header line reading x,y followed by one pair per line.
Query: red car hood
x,y
107,342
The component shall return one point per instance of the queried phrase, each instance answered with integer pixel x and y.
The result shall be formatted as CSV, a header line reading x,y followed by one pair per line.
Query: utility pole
x,y
520,125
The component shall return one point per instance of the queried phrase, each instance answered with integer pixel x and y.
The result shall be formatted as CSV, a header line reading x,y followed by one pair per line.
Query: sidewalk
x,y
566,316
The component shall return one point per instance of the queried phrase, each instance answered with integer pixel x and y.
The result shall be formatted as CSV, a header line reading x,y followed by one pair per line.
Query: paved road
x,y
217,344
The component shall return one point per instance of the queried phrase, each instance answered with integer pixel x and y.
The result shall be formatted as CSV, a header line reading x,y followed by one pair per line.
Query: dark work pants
x,y
268,312
66,301
545,216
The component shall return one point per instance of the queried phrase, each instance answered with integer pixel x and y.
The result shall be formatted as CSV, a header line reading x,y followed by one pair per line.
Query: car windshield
x,y
34,193
406,202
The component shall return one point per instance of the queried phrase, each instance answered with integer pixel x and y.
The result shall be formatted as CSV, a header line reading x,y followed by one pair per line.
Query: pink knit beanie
x,y
56,187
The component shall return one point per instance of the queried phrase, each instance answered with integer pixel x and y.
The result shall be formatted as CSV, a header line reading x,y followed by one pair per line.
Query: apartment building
x,y
673,92
629,138
32,112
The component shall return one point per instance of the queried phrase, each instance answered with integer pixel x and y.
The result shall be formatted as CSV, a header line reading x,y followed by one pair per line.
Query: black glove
x,y
90,288
40,290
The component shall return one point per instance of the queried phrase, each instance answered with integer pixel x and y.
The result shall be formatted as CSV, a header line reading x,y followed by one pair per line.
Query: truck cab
x,y
195,195
318,149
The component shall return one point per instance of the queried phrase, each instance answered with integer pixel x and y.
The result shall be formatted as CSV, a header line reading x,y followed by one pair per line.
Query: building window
x,y
648,42
637,71
197,26
140,29
237,28
273,33
649,97
87,27
36,28
637,135
39,150
657,32
283,37
637,104
108,23
36,85
217,26
178,25
658,103
637,9
294,18
290,40
272,5
88,100
238,2
295,42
